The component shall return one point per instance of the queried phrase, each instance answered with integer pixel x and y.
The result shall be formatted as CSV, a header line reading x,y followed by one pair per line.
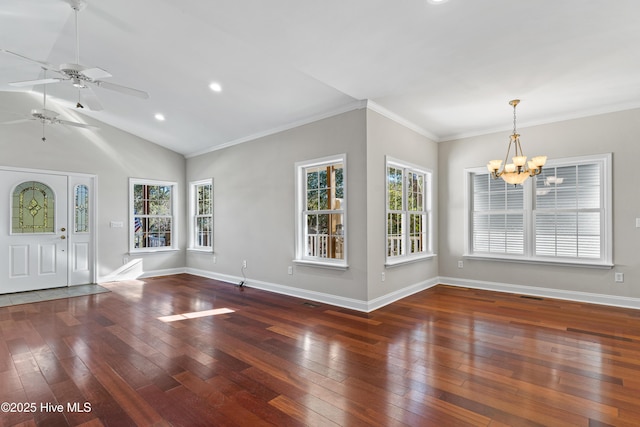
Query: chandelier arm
x,y
536,171
499,174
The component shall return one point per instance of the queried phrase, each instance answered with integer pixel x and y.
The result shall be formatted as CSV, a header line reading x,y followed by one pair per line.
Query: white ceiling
x,y
447,69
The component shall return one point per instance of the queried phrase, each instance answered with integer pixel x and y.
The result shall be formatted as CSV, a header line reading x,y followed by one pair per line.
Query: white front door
x,y
33,231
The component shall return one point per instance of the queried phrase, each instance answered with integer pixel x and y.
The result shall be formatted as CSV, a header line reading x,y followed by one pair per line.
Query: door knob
x,y
63,229
63,237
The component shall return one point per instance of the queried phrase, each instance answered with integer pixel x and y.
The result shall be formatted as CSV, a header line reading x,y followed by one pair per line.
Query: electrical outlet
x,y
619,277
382,277
244,263
289,270
460,264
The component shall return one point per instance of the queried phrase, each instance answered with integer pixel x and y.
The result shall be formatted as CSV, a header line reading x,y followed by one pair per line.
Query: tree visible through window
x,y
202,214
152,215
322,203
408,210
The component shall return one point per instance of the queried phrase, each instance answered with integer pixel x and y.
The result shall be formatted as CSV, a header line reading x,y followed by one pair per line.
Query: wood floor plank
x,y
444,356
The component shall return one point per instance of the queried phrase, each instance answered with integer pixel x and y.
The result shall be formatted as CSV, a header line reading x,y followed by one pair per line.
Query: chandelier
x,y
519,170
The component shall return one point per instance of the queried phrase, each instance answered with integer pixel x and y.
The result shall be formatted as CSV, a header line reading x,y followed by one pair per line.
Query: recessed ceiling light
x,y
159,117
215,87
437,1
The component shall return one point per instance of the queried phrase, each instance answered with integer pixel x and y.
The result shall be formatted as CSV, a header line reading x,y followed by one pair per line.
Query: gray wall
x,y
111,154
254,206
616,133
386,137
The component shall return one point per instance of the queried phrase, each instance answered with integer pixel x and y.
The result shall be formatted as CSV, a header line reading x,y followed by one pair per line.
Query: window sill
x,y
152,251
402,260
200,251
542,261
320,264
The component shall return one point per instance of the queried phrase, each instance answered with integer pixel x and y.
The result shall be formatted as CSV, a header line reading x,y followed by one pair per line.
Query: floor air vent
x,y
531,297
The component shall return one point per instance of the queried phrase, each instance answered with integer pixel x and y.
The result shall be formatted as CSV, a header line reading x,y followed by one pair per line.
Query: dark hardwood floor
x,y
187,351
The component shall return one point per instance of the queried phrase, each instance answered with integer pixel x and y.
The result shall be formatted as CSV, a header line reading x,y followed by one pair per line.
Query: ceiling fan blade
x,y
13,122
96,73
75,124
122,89
34,82
35,61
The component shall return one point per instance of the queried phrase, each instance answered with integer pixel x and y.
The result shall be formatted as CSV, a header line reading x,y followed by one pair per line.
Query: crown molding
x,y
356,105
373,106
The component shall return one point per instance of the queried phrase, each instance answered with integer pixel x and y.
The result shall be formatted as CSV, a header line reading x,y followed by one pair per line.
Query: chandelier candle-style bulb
x,y
519,161
539,161
494,165
518,171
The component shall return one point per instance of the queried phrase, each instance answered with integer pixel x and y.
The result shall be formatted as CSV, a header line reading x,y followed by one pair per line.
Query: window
x,y
562,215
33,209
321,205
152,215
81,209
408,211
201,227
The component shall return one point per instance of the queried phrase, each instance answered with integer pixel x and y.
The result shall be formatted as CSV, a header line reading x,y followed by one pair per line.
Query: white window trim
x,y
391,261
174,211
192,216
300,196
606,260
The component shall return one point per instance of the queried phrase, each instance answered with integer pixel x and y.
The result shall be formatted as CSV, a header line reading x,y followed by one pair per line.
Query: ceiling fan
x,y
79,75
46,117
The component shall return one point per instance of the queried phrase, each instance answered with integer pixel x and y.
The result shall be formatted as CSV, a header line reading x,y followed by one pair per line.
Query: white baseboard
x,y
351,303
164,272
133,270
587,297
130,271
387,299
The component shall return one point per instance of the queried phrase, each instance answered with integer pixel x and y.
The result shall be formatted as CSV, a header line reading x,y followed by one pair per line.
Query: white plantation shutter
x,y
568,211
562,215
498,216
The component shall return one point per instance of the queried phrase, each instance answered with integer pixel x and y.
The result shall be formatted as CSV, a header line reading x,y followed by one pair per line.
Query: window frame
x,y
300,213
605,260
174,216
194,216
427,195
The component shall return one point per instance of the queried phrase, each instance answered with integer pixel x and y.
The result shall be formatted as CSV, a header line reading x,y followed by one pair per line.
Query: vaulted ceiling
x,y
446,69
